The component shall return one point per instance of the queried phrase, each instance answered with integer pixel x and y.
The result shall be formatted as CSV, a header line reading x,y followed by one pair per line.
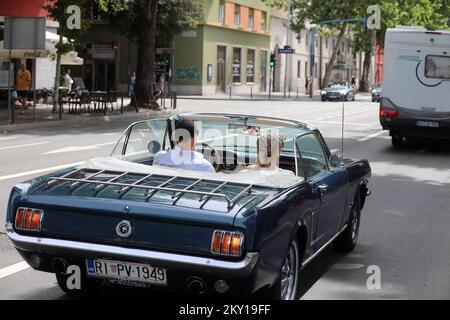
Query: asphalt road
x,y
405,224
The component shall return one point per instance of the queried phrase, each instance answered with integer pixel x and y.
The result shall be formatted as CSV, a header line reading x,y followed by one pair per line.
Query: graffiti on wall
x,y
187,73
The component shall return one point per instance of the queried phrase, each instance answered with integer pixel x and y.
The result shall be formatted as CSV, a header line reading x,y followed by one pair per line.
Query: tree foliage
x,y
57,10
172,17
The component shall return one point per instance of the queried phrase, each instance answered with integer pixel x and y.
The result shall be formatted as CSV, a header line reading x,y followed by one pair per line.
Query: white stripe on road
x,y
5,272
29,173
25,145
376,134
8,138
340,123
79,148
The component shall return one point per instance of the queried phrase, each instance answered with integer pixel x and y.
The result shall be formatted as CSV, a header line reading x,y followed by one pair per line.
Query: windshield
x,y
337,84
229,143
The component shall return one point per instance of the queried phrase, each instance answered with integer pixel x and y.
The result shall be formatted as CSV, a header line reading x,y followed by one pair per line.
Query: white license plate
x,y
128,271
430,124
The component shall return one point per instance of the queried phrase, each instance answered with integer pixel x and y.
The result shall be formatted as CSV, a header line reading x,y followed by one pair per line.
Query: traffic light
x,y
273,60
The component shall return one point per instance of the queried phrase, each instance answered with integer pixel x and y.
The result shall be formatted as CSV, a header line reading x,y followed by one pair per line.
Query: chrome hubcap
x,y
288,275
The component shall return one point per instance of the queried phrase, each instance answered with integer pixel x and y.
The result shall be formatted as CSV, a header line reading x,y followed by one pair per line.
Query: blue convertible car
x,y
238,231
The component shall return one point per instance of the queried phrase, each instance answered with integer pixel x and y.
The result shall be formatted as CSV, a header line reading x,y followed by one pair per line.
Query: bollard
x,y
297,93
251,93
230,91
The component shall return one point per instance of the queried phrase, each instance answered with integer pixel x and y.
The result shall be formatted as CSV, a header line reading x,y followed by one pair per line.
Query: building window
x,y
97,14
315,70
306,69
263,21
299,66
326,43
299,37
237,15
343,46
307,36
222,12
251,19
251,65
334,44
236,64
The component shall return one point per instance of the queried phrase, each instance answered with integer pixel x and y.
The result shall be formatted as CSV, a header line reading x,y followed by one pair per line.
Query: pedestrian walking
x,y
23,85
67,80
132,84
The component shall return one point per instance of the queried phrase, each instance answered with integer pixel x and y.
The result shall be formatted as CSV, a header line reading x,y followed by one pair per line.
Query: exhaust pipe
x,y
59,265
196,285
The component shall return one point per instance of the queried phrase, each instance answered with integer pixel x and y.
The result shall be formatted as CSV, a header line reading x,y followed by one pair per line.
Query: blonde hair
x,y
265,147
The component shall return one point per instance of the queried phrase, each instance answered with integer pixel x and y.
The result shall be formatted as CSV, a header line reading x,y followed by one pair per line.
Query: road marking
x,y
5,272
25,145
111,133
79,148
376,134
29,173
340,123
8,138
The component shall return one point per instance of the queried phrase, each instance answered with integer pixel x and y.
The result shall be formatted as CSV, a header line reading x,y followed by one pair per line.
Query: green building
x,y
228,50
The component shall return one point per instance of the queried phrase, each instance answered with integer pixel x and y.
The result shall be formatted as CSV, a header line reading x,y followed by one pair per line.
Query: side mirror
x,y
154,147
335,160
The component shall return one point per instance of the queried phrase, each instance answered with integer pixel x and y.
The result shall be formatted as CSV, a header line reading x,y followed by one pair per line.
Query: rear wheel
x,y
397,140
347,240
287,287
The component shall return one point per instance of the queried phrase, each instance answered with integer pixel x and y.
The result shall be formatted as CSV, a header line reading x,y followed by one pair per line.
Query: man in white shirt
x,y
183,156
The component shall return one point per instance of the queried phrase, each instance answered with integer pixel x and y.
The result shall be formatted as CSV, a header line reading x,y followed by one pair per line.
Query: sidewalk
x,y
275,96
45,118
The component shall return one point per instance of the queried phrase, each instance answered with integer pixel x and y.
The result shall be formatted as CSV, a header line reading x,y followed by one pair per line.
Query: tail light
x,y
389,113
227,243
28,219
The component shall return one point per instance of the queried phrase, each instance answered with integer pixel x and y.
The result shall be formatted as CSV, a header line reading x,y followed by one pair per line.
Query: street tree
x,y
145,22
72,27
431,14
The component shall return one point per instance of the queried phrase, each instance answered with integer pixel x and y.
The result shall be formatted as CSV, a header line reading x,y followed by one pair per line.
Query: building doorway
x,y
104,75
221,67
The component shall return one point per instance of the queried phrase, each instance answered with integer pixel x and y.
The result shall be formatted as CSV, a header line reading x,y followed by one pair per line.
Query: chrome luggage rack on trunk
x,y
102,179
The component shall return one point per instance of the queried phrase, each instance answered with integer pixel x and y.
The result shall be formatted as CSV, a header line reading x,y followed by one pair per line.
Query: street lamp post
x,y
286,69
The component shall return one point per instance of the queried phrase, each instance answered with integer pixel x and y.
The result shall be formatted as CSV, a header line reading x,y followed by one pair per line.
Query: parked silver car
x,y
338,91
377,91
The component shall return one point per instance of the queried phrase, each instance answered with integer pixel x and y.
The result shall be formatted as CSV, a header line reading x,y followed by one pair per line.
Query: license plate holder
x,y
427,124
126,271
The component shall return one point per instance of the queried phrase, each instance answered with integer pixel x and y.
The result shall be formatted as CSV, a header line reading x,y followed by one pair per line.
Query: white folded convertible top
x,y
264,178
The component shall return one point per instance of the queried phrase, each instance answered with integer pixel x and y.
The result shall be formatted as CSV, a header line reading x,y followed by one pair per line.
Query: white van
x,y
416,84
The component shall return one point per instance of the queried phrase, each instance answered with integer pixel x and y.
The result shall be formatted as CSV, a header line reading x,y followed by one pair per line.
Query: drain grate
x,y
6,244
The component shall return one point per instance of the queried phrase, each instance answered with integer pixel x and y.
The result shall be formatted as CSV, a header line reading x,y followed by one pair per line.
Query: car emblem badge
x,y
124,229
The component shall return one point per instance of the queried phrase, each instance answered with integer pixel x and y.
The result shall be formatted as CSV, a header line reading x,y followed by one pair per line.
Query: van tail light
x,y
227,243
28,219
388,113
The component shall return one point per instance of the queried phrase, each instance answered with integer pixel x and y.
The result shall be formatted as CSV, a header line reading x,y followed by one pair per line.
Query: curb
x,y
144,114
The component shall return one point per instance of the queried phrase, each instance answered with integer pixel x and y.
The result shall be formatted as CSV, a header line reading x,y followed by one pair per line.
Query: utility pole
x,y
286,69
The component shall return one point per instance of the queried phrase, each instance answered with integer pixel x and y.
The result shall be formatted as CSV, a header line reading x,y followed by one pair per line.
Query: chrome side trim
x,y
185,262
323,247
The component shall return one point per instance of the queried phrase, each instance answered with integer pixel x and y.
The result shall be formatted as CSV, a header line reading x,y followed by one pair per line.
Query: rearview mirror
x,y
154,147
335,160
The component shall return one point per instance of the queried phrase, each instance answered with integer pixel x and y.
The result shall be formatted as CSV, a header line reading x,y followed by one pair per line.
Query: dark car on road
x,y
236,231
342,91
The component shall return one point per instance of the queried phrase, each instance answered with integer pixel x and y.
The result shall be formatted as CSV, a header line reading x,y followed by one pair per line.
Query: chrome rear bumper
x,y
59,247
